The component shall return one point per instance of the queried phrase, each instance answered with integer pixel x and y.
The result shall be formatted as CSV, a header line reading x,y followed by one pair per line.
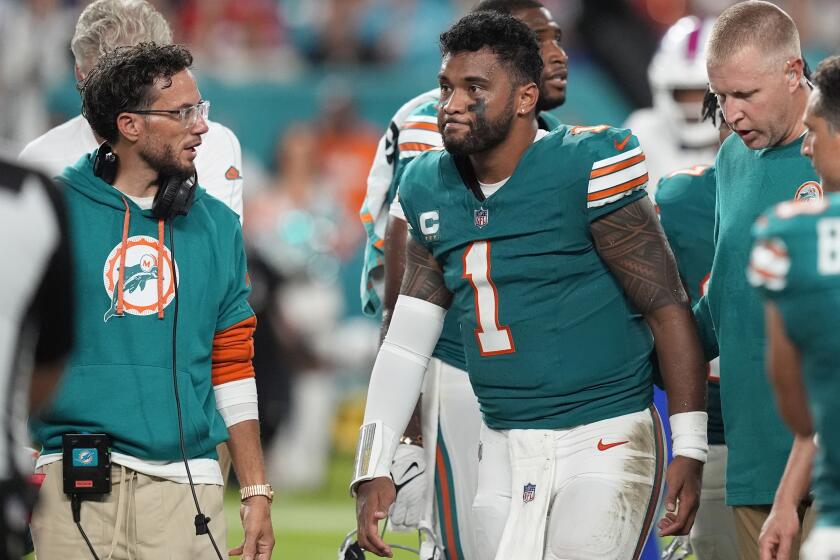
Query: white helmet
x,y
680,64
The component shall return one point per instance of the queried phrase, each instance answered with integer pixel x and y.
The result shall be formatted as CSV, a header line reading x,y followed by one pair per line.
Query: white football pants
x,y
586,493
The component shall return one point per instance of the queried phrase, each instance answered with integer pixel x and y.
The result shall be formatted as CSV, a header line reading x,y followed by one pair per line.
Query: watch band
x,y
416,440
257,490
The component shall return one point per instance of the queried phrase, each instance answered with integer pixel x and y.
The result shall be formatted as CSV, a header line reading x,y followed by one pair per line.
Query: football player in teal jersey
x,y
795,264
756,71
557,332
445,435
685,201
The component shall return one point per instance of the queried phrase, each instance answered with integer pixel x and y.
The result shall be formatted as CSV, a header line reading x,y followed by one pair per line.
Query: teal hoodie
x,y
119,377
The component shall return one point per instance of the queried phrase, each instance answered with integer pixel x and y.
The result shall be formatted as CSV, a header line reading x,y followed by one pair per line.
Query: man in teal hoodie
x,y
147,317
756,71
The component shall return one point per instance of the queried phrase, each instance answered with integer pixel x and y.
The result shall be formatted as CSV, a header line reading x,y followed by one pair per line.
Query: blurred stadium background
x,y
308,86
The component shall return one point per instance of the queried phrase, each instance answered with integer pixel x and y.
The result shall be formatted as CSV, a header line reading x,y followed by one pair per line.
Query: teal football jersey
x,y
686,203
419,134
550,339
796,263
748,183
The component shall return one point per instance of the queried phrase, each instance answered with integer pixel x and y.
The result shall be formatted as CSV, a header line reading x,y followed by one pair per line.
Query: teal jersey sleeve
x,y
706,328
685,202
617,175
420,172
235,306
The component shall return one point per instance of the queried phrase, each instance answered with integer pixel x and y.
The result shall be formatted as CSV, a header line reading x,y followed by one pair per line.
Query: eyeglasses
x,y
187,115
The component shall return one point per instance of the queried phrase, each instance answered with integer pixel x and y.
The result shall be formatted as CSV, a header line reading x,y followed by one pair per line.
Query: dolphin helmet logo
x,y
809,191
141,277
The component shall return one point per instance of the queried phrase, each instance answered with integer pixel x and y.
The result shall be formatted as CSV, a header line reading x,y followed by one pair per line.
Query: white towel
x,y
532,461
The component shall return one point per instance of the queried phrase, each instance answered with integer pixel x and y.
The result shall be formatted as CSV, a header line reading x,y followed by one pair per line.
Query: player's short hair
x,y
123,80
827,82
506,6
754,23
507,37
107,24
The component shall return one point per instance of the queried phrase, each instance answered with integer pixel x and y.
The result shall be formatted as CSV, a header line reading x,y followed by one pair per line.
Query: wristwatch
x,y
257,490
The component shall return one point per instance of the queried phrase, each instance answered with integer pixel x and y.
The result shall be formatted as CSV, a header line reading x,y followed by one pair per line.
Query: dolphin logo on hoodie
x,y
142,279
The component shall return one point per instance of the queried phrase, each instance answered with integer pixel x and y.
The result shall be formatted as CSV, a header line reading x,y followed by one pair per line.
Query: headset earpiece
x,y
105,163
174,197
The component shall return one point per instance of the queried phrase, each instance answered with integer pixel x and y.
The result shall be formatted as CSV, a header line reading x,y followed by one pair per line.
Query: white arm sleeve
x,y
395,384
236,401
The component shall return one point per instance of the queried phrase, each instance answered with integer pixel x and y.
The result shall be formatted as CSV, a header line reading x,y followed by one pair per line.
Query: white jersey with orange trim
x,y
218,161
381,188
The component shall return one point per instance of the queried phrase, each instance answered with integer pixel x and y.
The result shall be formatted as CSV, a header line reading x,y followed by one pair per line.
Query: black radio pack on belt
x,y
87,464
174,197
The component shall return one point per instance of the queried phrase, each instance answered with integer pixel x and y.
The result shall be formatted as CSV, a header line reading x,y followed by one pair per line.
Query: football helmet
x,y
679,65
427,547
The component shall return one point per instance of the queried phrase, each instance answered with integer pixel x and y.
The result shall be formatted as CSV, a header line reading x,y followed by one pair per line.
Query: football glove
x,y
408,471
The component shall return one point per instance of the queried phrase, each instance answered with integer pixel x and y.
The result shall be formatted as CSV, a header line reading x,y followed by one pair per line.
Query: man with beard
x,y
146,318
102,26
550,254
448,425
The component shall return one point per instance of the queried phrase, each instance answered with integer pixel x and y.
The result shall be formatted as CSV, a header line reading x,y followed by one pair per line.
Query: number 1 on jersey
x,y
493,339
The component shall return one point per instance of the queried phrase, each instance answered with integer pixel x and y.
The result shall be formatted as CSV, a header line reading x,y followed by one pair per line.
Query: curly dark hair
x,y
506,6
827,80
123,80
507,37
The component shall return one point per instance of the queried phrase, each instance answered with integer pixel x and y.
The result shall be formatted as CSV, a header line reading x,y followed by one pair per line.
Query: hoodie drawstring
x,y
124,248
160,264
160,270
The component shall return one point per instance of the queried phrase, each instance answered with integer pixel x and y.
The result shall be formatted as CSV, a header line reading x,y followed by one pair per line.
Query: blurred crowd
x,y
279,39
301,208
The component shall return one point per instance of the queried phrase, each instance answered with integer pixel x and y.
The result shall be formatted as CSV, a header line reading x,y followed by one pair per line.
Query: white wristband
x,y
688,435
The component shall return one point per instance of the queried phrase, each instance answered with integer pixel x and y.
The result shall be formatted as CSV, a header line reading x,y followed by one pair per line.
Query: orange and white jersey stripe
x,y
769,264
419,134
616,177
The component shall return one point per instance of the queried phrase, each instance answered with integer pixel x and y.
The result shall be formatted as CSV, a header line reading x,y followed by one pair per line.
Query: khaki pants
x,y
748,522
142,518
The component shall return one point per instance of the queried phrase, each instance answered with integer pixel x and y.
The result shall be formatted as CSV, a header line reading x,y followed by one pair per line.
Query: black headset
x,y
174,197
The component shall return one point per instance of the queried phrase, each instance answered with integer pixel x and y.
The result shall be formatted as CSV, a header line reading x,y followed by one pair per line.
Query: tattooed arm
x,y
423,276
634,247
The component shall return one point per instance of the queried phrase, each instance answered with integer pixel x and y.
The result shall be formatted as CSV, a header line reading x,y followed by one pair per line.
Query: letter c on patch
x,y
429,222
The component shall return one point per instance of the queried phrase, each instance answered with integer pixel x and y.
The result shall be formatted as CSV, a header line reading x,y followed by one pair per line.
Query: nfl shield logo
x,y
481,217
528,493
